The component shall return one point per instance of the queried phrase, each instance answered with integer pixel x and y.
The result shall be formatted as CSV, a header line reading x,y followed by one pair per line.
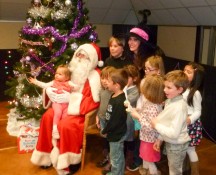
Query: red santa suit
x,y
67,150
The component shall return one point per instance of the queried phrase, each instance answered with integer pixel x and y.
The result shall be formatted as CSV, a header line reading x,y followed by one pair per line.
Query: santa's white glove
x,y
59,98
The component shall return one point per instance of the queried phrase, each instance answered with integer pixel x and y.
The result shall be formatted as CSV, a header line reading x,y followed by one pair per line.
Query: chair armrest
x,y
90,119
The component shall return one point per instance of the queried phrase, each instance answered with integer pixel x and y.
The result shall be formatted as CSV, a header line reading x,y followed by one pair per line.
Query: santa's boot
x,y
194,168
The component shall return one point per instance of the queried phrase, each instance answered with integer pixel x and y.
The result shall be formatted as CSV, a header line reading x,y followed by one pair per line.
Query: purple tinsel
x,y
74,33
42,63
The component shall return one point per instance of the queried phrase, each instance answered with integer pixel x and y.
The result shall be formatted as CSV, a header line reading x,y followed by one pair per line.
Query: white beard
x,y
80,70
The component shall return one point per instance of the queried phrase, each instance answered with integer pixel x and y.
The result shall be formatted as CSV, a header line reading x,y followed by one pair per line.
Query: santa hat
x,y
93,52
97,48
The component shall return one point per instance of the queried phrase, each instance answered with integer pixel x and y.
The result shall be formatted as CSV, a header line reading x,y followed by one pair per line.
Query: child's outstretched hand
x,y
32,80
157,145
188,120
135,114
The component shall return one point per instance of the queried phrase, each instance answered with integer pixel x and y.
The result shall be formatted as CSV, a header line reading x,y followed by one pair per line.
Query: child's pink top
x,y
60,86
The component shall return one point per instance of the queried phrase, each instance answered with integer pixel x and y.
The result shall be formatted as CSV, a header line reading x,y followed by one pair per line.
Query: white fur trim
x,y
76,97
74,103
40,158
100,63
95,84
64,160
54,156
44,96
92,53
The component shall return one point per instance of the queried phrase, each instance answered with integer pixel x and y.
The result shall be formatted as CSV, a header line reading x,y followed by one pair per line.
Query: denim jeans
x,y
102,123
176,154
117,157
130,128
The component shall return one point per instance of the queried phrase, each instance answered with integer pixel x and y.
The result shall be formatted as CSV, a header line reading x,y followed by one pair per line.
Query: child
x,y
116,48
153,94
171,122
59,84
116,60
132,94
116,117
153,65
105,95
195,73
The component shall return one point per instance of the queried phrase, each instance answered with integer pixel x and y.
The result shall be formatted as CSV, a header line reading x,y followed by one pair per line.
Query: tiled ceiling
x,y
163,12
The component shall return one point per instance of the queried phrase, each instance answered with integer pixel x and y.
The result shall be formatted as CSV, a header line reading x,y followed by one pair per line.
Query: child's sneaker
x,y
106,169
132,167
103,162
158,173
143,171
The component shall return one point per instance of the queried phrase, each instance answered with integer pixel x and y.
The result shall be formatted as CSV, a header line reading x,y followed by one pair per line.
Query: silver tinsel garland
x,y
60,11
41,11
13,125
61,14
25,100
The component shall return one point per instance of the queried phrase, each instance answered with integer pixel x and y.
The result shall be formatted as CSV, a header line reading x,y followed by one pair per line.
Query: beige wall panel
x,y
9,34
205,46
104,33
177,42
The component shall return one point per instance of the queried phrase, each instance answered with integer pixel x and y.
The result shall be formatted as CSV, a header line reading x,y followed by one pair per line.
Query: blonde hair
x,y
156,62
119,40
133,72
106,71
178,78
65,70
153,89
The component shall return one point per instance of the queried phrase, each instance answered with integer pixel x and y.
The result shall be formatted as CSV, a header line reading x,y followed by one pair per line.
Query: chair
x,y
89,128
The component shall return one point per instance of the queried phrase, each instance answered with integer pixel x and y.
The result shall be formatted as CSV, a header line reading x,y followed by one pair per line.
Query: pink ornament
x,y
37,1
27,58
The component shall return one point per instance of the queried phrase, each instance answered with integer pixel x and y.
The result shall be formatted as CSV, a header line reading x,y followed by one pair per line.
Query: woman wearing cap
x,y
138,47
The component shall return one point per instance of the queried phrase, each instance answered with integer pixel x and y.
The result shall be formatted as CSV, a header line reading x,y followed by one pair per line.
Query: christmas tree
x,y
54,29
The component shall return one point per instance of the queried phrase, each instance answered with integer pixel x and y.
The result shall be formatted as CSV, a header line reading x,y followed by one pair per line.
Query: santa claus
x,y
66,151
